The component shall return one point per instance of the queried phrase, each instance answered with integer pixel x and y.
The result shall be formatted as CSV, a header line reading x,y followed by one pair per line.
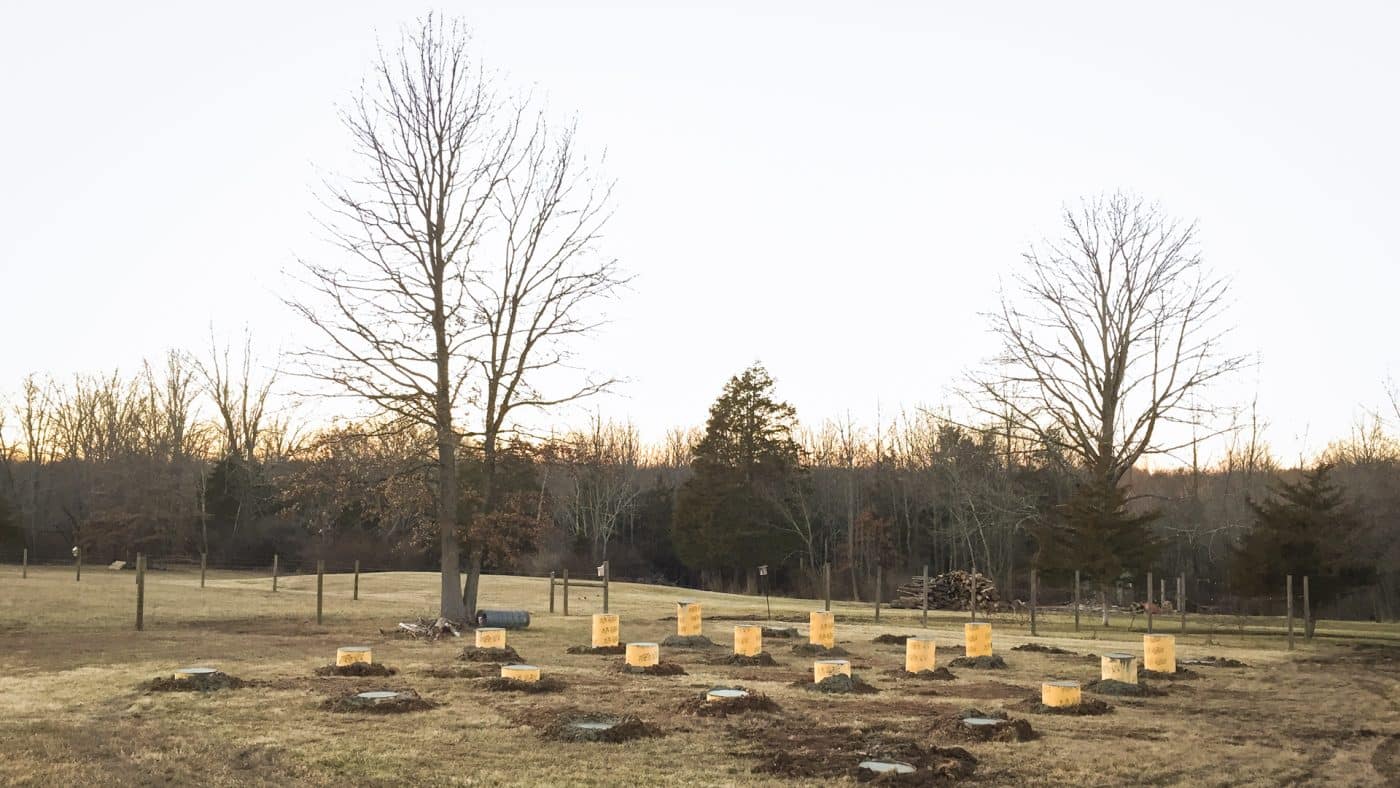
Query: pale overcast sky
x,y
835,189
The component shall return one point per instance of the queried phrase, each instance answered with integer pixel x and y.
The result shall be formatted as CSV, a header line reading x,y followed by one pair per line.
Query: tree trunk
x,y
451,603
1103,603
469,595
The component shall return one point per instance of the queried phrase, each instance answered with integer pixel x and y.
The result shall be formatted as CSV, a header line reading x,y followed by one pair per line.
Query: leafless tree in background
x,y
599,481
434,148
1111,328
239,397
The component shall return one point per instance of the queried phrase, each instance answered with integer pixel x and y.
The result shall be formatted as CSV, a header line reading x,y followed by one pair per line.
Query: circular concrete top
x,y
1119,655
644,645
519,667
353,648
589,725
883,767
1067,684
196,671
377,695
727,694
979,721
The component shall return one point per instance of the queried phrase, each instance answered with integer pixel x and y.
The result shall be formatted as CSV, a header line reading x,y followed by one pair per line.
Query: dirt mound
x,y
208,683
479,671
1039,649
506,654
689,641
546,684
892,640
1123,689
787,617
840,684
1181,674
405,701
659,669
818,754
1214,662
994,728
992,690
941,674
994,662
1087,708
359,669
760,660
598,727
779,632
813,650
702,706
597,650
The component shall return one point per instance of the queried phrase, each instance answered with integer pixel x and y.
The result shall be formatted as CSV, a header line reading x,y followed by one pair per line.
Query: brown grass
x,y
72,712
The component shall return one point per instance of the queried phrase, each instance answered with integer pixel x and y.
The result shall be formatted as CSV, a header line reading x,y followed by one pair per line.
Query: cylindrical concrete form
x,y
822,626
1159,653
1119,667
643,655
721,695
605,628
1060,694
978,639
748,639
377,697
194,673
520,672
349,655
491,637
687,618
826,668
919,654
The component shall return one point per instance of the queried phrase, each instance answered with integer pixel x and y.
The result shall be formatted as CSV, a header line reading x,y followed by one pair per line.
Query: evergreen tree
x,y
729,514
1094,532
1305,528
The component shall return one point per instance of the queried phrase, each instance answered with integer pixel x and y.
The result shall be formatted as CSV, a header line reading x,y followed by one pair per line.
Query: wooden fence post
x,y
1076,600
974,593
140,592
566,591
551,591
1288,589
1307,611
925,602
356,595
24,569
203,566
1181,599
879,585
607,575
78,564
320,578
1035,578
274,573
826,584
1148,606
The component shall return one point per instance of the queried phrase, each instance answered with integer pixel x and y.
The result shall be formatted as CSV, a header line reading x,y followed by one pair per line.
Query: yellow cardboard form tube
x,y
688,618
919,654
822,628
605,629
349,655
1159,653
978,639
1060,694
491,637
826,668
748,640
643,655
1119,667
520,672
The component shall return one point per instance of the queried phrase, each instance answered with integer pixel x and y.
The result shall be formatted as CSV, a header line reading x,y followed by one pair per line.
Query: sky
x,y
835,189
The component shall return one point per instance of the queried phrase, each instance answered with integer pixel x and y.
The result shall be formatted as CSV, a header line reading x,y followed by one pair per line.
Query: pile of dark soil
x,y
819,755
356,669
463,671
659,669
939,674
994,662
597,650
1039,649
1086,708
892,640
779,632
1214,662
688,641
760,660
813,650
952,728
545,684
789,617
210,683
1123,689
840,684
598,727
1181,674
407,701
507,654
702,706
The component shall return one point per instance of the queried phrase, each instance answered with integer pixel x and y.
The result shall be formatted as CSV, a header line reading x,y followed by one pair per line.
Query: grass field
x,y
72,711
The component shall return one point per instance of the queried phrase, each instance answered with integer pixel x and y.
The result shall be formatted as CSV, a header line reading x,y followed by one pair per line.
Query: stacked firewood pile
x,y
948,591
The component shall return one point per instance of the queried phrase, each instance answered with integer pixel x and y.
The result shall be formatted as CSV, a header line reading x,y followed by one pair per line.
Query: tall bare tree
x,y
239,395
433,147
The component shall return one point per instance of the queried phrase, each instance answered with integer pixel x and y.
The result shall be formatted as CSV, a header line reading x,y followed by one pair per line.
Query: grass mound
x,y
702,706
840,684
779,632
407,701
598,727
815,754
659,669
688,641
479,671
1123,689
891,640
210,683
1181,674
813,650
955,728
760,660
1086,708
941,674
544,685
506,654
597,650
994,662
359,669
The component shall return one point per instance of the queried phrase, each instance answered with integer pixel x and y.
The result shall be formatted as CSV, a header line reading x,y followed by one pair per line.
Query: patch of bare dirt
x,y
609,728
1181,674
702,706
814,650
477,671
1040,649
659,669
891,640
1092,707
688,641
779,632
474,654
357,669
939,674
991,690
597,650
760,660
840,684
816,753
955,728
544,685
788,617
406,701
210,683
994,662
1214,662
1123,689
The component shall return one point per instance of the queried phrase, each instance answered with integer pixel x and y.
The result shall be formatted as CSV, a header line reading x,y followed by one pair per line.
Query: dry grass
x,y
72,713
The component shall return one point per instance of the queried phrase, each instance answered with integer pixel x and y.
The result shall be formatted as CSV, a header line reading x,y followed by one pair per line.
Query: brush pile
x,y
948,591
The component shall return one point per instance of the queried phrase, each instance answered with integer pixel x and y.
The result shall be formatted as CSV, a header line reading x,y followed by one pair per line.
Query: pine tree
x,y
1305,528
1094,532
729,514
